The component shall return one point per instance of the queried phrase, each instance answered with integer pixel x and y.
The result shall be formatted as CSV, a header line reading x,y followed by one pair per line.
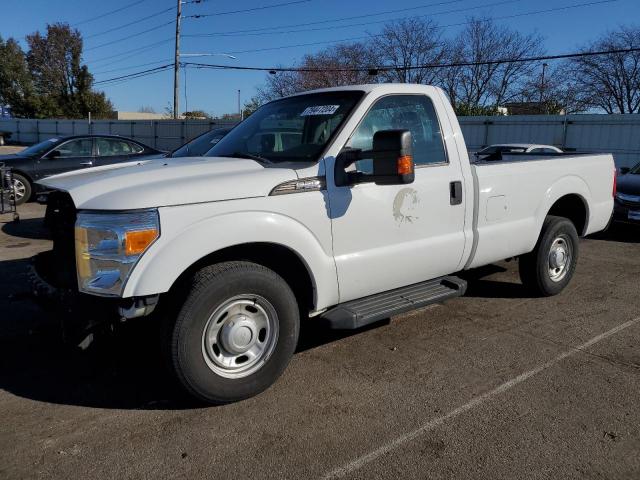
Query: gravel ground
x,y
493,385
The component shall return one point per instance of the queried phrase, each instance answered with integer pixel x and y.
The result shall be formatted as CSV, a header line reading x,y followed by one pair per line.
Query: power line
x,y
246,10
109,13
379,68
130,67
385,68
133,52
131,76
365,24
106,44
320,22
362,37
134,22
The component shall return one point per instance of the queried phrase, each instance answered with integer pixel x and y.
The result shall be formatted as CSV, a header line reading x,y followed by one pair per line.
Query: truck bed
x,y
514,194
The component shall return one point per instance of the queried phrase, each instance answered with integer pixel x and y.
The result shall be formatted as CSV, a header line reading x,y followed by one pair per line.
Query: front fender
x,y
185,239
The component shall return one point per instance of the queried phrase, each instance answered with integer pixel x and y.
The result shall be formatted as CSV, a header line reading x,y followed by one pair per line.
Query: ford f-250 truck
x,y
343,206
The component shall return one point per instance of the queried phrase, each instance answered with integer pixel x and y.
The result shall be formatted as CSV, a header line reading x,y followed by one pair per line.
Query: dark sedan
x,y
201,144
627,203
64,154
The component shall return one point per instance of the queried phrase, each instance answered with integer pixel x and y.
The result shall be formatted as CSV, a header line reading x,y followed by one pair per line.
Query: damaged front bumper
x,y
78,313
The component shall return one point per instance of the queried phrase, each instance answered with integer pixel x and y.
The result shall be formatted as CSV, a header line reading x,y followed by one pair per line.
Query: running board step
x,y
363,311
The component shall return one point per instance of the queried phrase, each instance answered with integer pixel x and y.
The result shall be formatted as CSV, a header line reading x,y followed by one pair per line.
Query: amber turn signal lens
x,y
405,165
137,242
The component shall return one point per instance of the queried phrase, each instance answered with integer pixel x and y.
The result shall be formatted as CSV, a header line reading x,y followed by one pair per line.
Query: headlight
x,y
108,245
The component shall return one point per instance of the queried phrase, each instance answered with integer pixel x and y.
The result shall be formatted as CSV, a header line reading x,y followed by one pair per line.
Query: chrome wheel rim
x,y
19,189
240,336
560,257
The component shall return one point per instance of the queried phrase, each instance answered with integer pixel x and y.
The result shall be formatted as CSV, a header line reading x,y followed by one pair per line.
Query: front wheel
x,y
550,266
21,188
235,333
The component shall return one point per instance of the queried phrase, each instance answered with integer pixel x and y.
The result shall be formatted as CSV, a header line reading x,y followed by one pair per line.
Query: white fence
x,y
617,134
161,134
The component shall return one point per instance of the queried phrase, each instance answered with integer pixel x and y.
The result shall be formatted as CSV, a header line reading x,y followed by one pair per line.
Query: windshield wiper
x,y
250,156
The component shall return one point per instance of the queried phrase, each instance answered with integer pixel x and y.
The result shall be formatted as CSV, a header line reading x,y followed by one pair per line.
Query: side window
x,y
109,147
415,113
82,147
135,148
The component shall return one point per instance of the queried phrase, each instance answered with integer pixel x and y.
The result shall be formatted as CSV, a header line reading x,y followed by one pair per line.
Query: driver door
x,y
68,156
389,236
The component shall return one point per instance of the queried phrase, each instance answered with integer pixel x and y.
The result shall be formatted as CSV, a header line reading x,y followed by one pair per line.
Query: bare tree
x,y
611,82
407,44
478,81
554,89
330,67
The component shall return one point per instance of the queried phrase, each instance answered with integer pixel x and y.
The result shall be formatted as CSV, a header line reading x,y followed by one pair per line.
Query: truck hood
x,y
168,181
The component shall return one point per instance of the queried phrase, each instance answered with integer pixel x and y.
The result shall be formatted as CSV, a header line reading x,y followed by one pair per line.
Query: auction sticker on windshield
x,y
320,110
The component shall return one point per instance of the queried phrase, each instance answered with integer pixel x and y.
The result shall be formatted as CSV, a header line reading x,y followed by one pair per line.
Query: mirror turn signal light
x,y
136,242
405,165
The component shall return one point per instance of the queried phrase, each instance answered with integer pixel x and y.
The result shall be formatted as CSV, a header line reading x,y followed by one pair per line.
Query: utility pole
x,y
544,69
239,107
176,64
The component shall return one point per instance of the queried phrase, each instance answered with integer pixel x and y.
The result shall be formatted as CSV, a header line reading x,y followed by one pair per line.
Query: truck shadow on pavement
x,y
619,233
121,369
29,228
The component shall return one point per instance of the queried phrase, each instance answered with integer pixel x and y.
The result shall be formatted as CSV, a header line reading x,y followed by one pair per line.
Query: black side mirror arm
x,y
344,160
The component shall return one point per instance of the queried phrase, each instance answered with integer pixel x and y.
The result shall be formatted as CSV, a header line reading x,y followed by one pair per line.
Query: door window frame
x,y
129,142
417,166
93,148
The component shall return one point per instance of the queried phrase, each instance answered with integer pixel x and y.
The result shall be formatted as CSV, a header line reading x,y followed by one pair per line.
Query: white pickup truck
x,y
343,206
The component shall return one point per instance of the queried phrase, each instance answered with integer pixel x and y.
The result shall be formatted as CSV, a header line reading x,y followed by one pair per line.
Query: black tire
x,y
210,291
538,271
20,179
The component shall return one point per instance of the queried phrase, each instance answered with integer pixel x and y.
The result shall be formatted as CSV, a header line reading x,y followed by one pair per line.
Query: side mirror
x,y
624,170
392,156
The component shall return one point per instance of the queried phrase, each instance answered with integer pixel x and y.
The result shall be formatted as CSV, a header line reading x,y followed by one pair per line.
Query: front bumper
x,y
79,313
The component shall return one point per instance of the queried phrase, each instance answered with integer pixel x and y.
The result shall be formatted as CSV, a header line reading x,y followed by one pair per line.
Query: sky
x,y
109,53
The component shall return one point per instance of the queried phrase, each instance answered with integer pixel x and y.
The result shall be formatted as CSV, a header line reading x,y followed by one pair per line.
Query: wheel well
x,y
573,208
21,173
278,258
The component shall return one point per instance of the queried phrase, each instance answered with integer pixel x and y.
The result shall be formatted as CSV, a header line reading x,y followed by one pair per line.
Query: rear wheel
x,y
550,266
235,333
22,188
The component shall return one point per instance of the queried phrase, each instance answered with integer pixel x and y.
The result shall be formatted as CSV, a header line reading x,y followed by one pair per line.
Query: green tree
x,y
62,82
16,86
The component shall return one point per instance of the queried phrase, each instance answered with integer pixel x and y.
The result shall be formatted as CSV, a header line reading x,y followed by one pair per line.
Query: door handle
x,y
455,191
86,163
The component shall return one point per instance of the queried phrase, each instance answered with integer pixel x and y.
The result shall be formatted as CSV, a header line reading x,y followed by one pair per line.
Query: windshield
x,y
292,129
39,148
202,144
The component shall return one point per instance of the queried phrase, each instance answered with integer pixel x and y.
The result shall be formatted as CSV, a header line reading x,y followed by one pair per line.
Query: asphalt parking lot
x,y
493,385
